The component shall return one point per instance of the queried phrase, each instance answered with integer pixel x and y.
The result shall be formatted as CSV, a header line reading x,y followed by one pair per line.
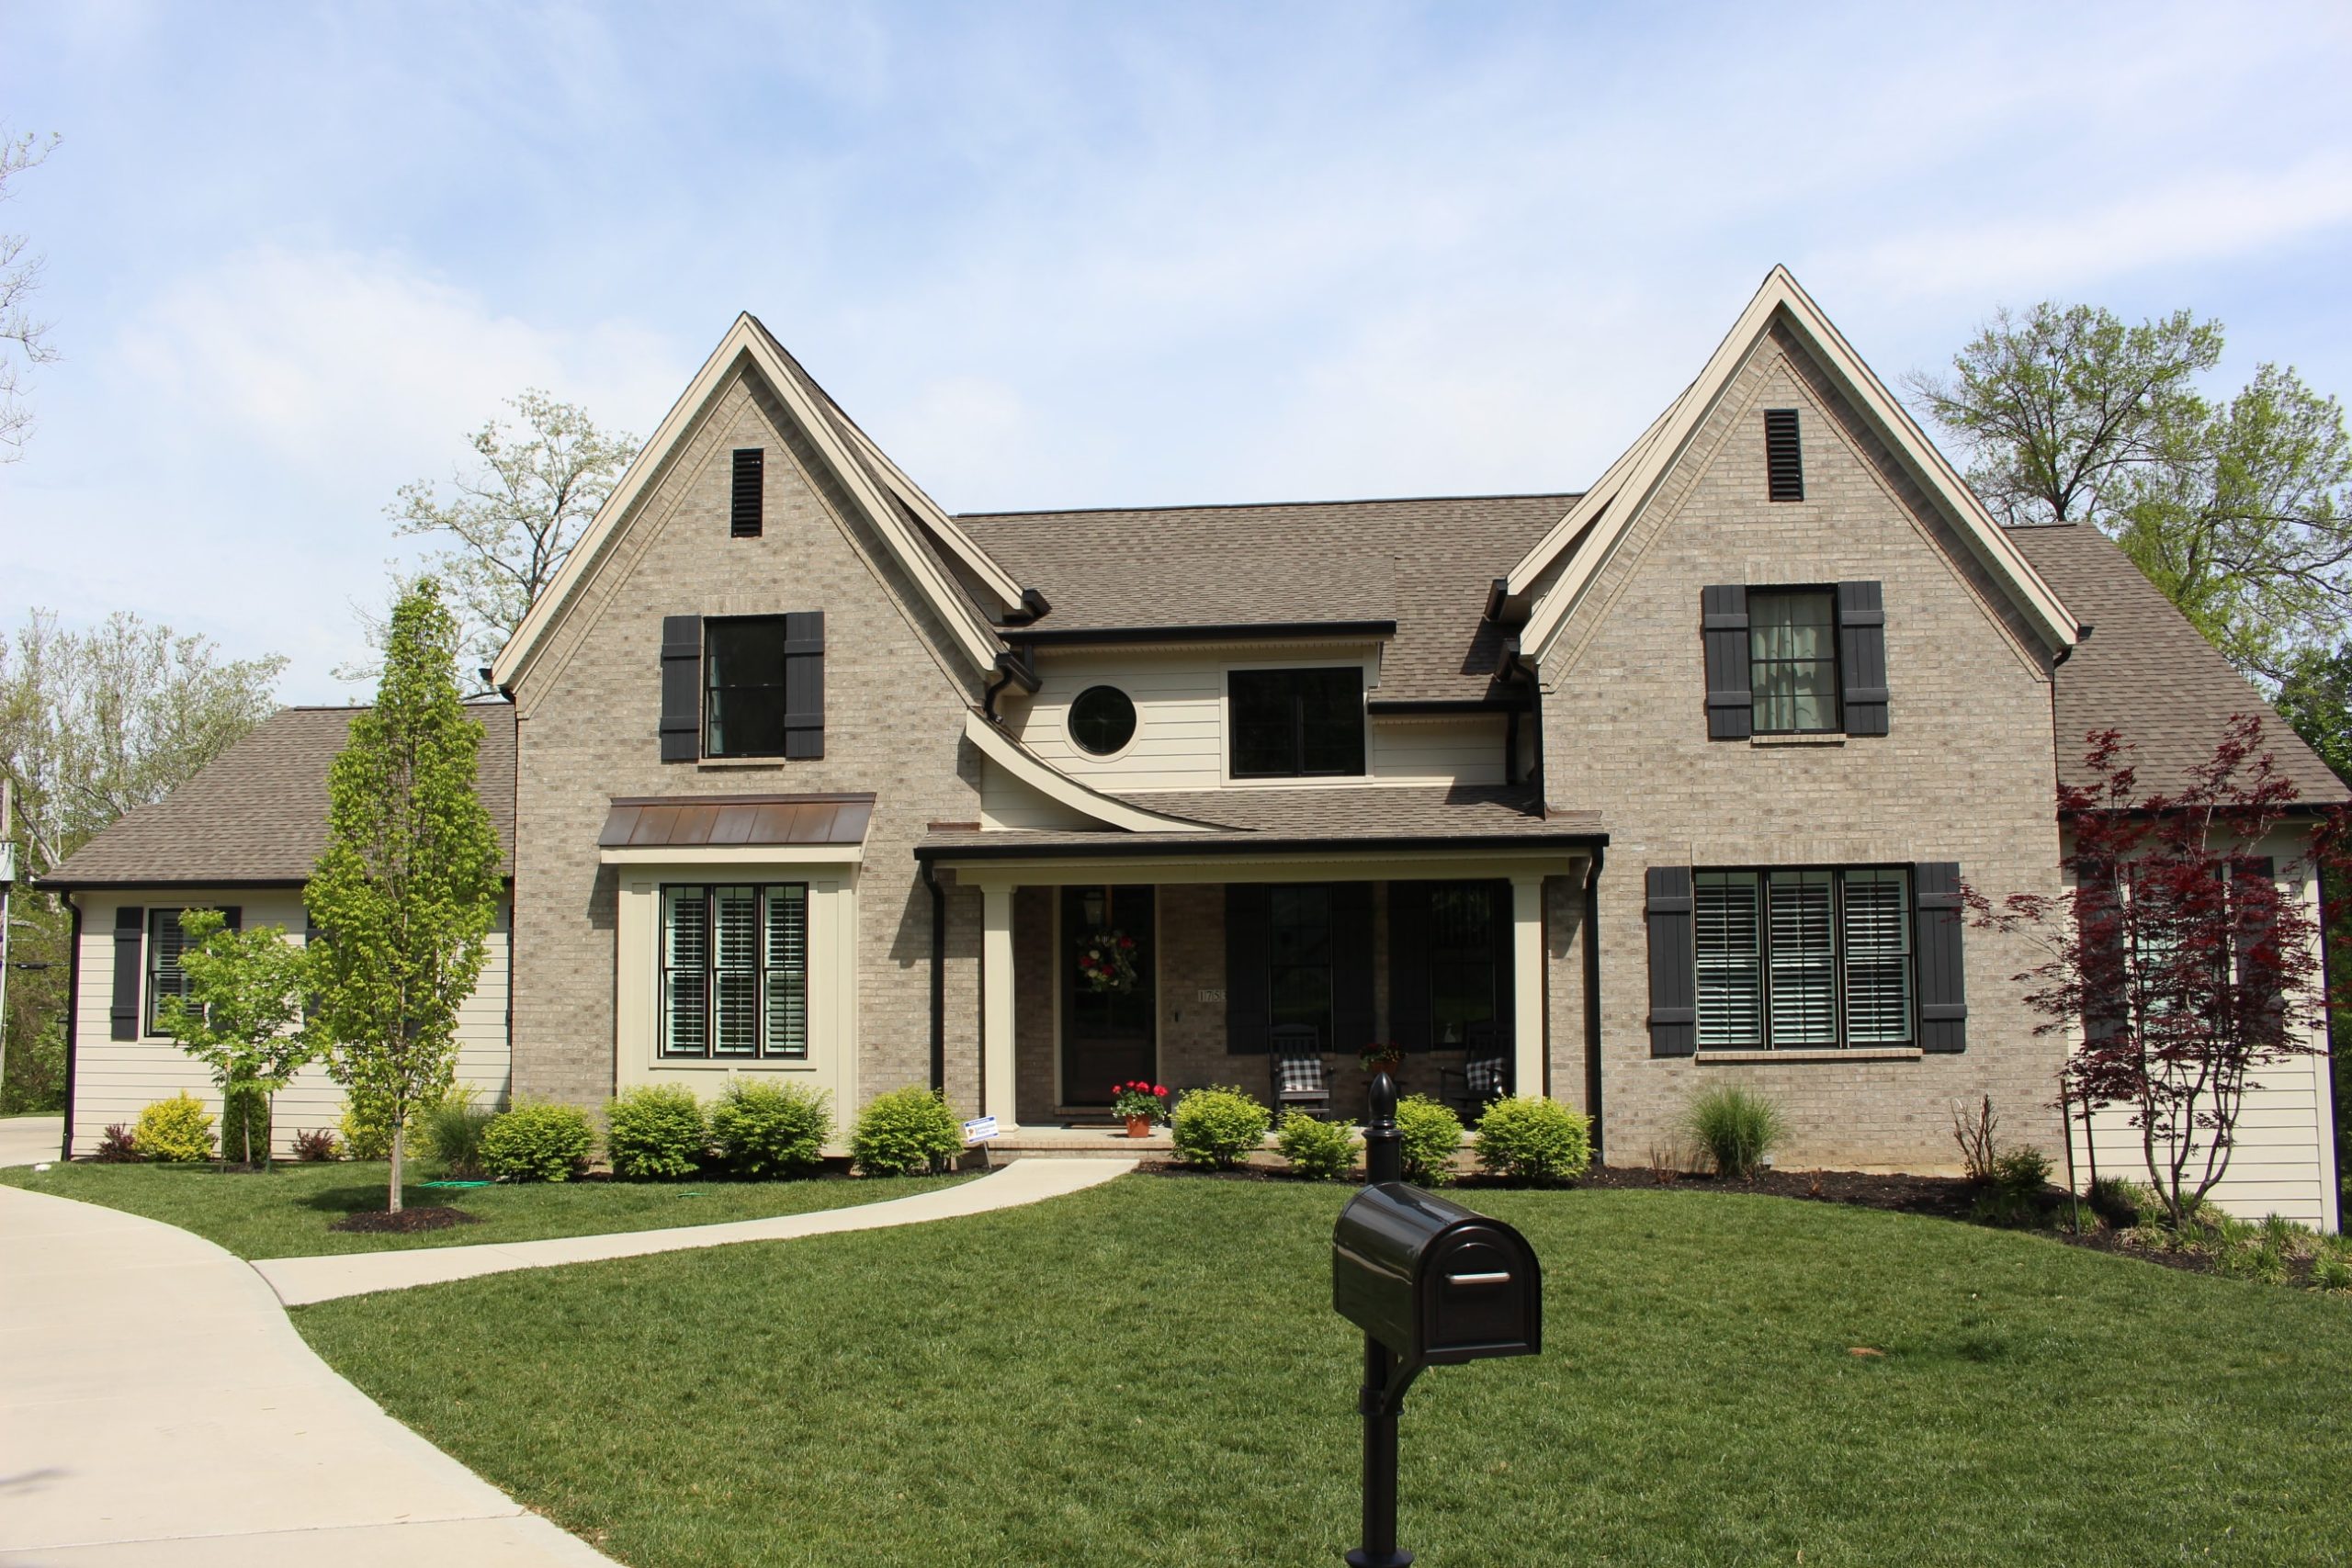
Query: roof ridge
x,y
1274,505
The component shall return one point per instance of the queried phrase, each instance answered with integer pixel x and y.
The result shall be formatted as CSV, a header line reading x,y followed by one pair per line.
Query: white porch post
x,y
996,1004
1527,984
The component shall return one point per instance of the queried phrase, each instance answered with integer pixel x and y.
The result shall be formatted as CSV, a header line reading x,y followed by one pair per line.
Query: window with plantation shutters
x,y
165,943
1803,959
735,971
1877,929
1801,974
1728,946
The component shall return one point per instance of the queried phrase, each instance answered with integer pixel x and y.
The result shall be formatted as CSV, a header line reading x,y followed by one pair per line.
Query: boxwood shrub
x,y
1219,1128
1429,1136
655,1131
537,1141
1324,1150
761,1127
1534,1139
905,1132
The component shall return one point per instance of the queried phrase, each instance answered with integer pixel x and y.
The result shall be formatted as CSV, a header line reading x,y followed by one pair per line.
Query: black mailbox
x,y
1433,1281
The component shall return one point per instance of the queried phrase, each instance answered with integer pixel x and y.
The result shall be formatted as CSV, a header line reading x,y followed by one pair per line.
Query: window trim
x,y
1835,660
1232,737
1845,1046
1135,722
763,1051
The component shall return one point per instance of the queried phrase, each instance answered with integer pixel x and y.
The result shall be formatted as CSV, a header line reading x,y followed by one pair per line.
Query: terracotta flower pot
x,y
1138,1126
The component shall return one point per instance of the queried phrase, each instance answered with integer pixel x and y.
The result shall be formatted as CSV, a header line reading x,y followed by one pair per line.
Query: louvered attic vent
x,y
1783,462
750,464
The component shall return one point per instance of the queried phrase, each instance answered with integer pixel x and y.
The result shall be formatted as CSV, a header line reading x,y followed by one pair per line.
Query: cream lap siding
x,y
116,1080
1453,748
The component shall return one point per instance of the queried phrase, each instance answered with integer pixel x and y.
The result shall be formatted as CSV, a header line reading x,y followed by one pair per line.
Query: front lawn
x,y
1150,1372
286,1213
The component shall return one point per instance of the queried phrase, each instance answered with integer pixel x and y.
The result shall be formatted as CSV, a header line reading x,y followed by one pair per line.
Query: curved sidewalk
x,y
300,1280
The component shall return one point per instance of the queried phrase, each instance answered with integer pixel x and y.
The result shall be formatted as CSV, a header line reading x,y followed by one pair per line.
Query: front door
x,y
1110,1008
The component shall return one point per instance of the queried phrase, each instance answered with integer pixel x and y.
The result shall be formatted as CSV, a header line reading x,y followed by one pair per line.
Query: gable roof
x,y
1586,536
2145,670
257,813
1424,564
893,505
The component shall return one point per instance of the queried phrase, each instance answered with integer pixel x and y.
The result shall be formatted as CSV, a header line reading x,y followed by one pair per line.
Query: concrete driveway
x,y
28,1140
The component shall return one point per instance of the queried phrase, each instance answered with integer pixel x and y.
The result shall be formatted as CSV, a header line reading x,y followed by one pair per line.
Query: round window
x,y
1102,720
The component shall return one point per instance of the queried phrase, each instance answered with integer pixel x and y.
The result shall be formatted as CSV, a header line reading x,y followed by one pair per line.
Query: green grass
x,y
286,1213
1150,1372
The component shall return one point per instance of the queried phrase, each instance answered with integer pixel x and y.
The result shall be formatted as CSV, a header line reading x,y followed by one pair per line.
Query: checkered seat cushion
x,y
1303,1074
1484,1078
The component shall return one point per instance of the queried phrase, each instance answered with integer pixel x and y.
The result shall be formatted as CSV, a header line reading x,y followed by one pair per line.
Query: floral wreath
x,y
1106,963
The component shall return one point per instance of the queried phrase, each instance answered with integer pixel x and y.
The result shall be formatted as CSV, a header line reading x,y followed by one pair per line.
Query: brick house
x,y
1603,795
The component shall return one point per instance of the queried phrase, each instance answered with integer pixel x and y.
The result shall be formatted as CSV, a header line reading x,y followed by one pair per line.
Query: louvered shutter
x,y
1674,1002
129,928
804,684
1861,657
1248,969
1351,966
1409,964
681,688
1731,709
1943,991
233,917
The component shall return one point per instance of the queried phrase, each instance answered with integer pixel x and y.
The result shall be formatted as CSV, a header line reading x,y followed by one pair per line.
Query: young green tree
x,y
241,1013
407,890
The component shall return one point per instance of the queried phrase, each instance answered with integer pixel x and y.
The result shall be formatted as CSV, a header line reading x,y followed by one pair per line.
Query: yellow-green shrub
x,y
174,1128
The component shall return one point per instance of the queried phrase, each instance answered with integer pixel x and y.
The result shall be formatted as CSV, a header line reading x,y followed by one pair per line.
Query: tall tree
x,y
407,889
241,1014
514,520
24,340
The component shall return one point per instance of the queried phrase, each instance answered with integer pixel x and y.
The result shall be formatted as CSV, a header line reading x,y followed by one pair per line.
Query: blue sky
x,y
1069,255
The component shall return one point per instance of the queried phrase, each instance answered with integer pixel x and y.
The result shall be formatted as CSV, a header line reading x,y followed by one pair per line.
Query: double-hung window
x,y
1792,661
1803,959
1297,722
735,971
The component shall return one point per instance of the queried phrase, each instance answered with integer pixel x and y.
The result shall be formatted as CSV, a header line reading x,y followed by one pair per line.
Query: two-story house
x,y
1603,795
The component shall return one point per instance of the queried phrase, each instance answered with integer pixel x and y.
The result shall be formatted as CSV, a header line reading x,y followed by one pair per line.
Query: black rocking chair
x,y
1485,1074
1301,1078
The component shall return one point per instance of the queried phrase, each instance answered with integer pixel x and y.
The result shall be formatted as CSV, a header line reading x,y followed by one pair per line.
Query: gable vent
x,y
750,463
1783,462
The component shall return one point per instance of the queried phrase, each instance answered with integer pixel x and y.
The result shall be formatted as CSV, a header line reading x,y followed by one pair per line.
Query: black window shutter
x,y
681,688
1674,970
1409,966
1861,657
1506,995
1784,456
1723,615
310,939
1249,970
1351,966
129,928
232,917
804,683
748,511
1943,991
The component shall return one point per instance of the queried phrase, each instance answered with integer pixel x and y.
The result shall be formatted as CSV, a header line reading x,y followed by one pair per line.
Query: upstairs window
x,y
1792,661
1784,457
763,686
1297,722
747,514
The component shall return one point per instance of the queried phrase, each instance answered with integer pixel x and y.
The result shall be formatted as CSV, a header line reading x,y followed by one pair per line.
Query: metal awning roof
x,y
724,821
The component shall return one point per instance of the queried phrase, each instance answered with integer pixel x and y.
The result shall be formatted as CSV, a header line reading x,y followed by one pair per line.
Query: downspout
x,y
1515,667
1592,995
73,1021
2335,1106
938,978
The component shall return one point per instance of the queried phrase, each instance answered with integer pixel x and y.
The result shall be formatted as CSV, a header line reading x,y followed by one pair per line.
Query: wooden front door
x,y
1110,1031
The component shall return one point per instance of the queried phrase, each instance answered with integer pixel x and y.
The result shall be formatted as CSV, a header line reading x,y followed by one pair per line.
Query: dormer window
x,y
1297,722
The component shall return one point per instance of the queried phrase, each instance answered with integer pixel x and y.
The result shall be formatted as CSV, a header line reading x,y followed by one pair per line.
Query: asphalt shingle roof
x,y
1424,564
2146,671
257,813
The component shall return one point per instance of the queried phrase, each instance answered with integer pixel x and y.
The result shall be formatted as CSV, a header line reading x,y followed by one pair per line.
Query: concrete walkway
x,y
28,1140
158,1410
299,1280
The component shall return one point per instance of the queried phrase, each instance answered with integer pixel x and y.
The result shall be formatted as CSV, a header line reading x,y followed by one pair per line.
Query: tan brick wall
x,y
1965,774
589,712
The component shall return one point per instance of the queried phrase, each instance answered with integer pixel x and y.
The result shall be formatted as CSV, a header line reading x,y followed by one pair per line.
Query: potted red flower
x,y
1141,1104
1379,1058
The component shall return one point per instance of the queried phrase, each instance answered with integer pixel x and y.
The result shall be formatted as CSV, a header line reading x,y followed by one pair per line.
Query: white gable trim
x,y
748,341
1059,787
1611,506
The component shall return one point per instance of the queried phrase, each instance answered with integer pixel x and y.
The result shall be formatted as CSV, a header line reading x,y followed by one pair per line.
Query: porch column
x,y
1527,984
996,1004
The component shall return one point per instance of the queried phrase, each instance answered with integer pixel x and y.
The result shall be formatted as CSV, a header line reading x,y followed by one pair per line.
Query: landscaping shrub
x,y
366,1130
765,1128
175,1130
2121,1202
451,1133
1974,1134
1219,1128
1736,1126
244,1113
119,1145
1324,1150
655,1131
2020,1174
536,1141
1429,1136
1534,1139
2332,1270
905,1132
317,1146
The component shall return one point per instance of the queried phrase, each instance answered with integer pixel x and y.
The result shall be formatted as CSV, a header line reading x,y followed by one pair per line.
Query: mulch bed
x,y
427,1218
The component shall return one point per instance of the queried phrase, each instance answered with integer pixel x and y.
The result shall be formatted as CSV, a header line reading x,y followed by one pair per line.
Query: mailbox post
x,y
1431,1284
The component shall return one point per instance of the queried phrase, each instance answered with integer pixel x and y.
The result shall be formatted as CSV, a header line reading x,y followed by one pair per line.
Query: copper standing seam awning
x,y
732,821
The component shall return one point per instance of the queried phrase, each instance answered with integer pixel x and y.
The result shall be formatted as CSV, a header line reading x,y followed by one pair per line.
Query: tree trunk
x,y
398,1137
269,1147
